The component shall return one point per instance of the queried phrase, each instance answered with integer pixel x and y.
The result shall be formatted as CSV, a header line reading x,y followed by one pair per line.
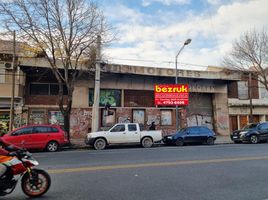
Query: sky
x,y
151,32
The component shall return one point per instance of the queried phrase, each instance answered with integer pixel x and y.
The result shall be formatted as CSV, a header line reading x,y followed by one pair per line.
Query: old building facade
x,y
241,103
6,84
130,92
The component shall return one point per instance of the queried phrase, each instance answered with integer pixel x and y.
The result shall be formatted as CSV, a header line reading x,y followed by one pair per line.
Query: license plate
x,y
235,137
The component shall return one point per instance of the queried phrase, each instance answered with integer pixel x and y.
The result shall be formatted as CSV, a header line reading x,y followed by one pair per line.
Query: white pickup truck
x,y
123,133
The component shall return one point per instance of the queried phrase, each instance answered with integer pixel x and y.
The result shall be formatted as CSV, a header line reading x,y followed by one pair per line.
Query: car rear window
x,y
132,127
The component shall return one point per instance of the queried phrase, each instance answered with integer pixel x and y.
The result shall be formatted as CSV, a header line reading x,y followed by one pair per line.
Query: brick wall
x,y
42,100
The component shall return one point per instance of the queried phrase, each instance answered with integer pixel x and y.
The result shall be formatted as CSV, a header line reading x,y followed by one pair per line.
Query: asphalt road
x,y
218,172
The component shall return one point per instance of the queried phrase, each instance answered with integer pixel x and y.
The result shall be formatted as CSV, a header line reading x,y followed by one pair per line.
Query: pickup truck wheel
x,y
147,142
99,144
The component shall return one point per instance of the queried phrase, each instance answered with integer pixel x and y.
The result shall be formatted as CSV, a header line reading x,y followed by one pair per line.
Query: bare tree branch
x,y
64,31
250,54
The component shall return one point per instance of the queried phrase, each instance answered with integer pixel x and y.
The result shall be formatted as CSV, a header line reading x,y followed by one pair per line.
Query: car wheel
x,y
52,146
210,141
99,144
254,139
147,142
179,142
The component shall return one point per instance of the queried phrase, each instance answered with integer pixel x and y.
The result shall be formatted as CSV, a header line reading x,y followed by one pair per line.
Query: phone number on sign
x,y
171,102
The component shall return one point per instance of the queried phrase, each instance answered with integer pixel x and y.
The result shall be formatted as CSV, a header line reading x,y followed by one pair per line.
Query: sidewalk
x,y
80,143
223,139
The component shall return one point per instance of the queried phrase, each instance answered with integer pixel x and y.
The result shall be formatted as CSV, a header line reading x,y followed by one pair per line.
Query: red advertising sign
x,y
171,95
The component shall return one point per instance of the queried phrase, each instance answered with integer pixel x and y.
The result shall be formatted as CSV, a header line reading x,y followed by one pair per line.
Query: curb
x,y
86,147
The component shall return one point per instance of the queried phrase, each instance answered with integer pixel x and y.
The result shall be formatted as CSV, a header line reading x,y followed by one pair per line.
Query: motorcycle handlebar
x,y
20,153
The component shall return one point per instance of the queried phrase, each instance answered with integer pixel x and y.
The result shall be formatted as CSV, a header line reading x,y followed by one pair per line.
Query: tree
x,y
250,54
63,31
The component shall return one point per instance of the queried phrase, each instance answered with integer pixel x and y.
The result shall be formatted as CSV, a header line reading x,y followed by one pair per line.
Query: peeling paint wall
x,y
200,120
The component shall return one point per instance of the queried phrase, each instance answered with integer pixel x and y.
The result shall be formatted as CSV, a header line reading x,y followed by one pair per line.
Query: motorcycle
x,y
34,182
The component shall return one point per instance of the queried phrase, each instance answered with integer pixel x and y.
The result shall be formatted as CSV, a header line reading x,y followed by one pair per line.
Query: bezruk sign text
x,y
171,95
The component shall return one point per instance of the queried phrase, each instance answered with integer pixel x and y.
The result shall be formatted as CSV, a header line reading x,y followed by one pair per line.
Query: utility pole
x,y
250,98
95,109
11,118
188,41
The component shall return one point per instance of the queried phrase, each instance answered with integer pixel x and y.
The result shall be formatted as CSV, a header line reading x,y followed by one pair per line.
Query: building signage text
x,y
171,95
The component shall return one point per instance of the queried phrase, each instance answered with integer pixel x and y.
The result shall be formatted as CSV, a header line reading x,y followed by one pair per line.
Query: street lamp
x,y
188,41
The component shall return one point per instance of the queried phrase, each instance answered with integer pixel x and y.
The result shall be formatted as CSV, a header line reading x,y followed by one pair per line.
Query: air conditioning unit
x,y
8,66
6,61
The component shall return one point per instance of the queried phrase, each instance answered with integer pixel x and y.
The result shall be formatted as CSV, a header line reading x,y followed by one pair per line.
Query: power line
x,y
160,61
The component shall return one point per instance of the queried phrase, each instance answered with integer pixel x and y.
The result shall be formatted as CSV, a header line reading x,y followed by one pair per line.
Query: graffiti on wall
x,y
124,119
56,117
199,120
167,131
222,121
113,97
20,120
80,121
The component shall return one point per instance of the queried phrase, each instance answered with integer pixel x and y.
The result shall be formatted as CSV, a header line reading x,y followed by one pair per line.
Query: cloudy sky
x,y
151,32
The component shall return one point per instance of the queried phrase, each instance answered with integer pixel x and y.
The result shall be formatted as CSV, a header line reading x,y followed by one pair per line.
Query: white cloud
x,y
212,35
214,2
124,14
146,3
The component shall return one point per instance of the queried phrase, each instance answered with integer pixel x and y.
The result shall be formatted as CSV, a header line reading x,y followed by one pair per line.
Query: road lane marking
x,y
157,164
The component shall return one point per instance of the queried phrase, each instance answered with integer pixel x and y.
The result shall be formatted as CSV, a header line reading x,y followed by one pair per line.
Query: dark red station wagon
x,y
45,137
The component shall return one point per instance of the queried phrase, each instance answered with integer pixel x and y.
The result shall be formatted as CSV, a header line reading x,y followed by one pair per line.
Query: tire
x,y
52,146
147,142
254,139
179,142
37,185
99,144
210,141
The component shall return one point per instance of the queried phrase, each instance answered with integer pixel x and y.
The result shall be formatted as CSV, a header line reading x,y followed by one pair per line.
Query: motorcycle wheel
x,y
36,185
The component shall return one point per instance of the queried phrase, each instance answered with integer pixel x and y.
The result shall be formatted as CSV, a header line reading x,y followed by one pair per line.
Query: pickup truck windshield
x,y
118,128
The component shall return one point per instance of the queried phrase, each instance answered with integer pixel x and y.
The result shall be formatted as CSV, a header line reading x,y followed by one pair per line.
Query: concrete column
x,y
262,118
238,122
95,108
221,114
122,98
